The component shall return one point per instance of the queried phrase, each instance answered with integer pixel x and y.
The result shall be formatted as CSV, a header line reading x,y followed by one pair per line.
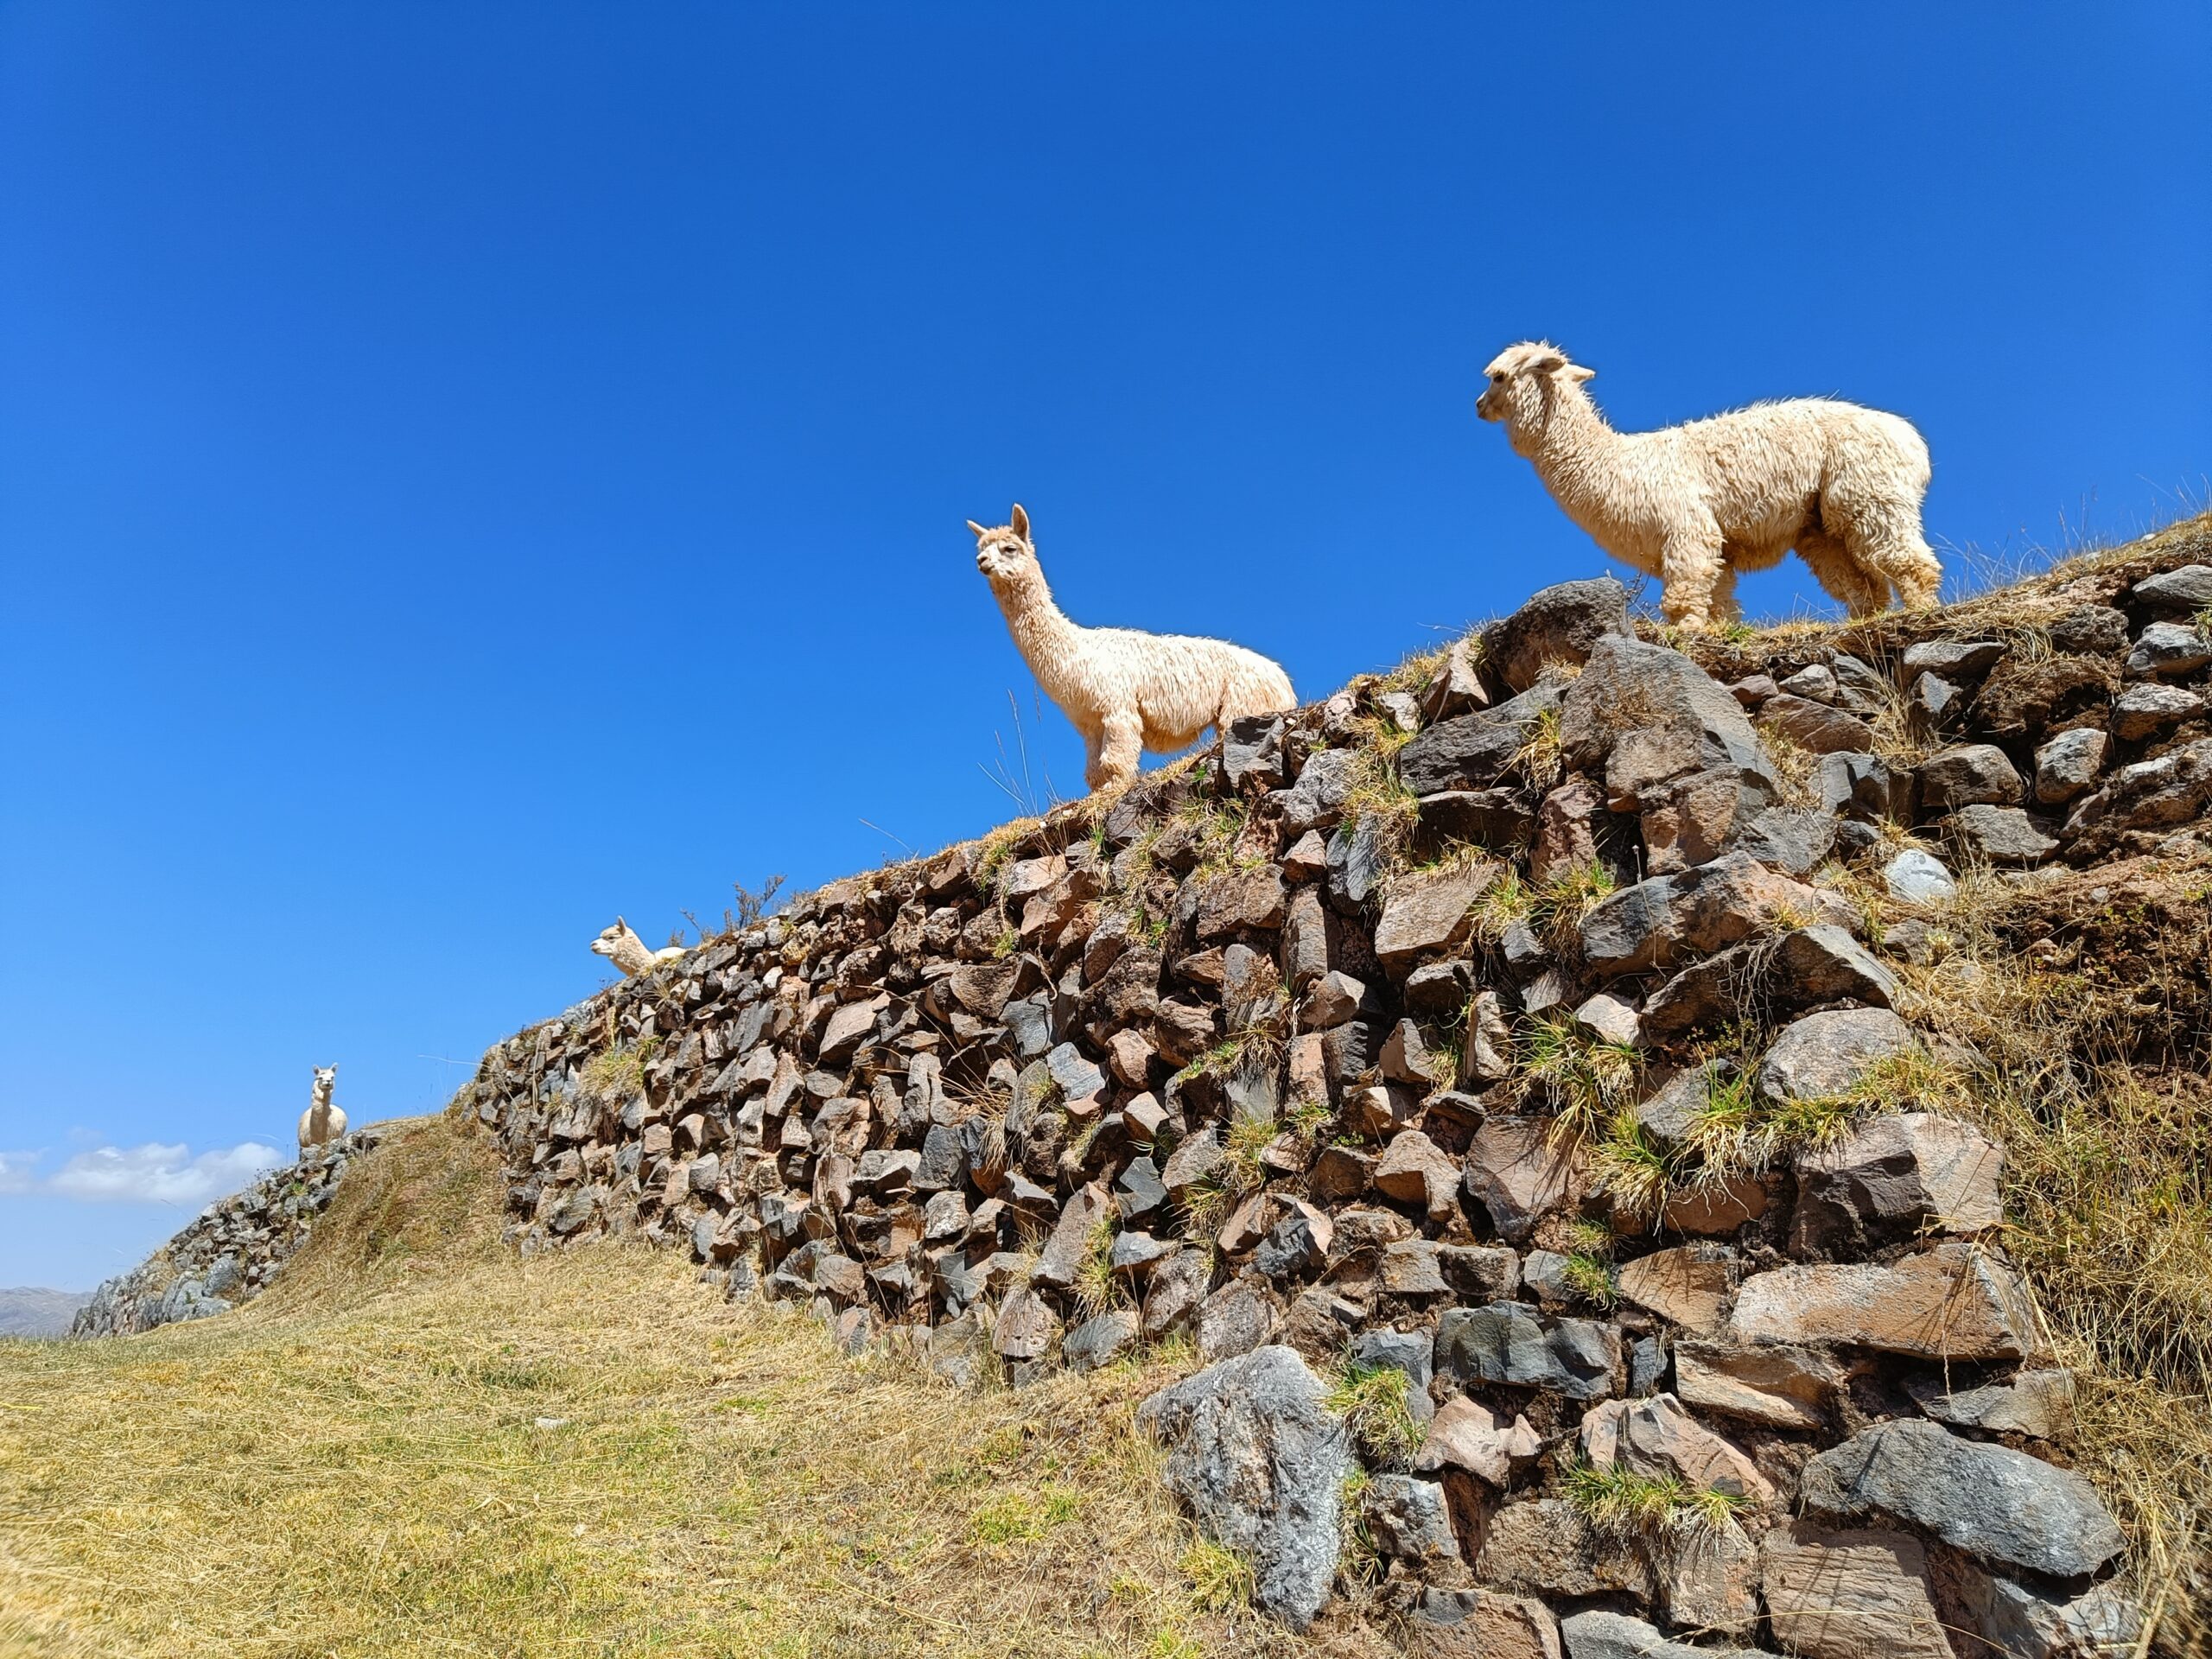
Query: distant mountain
x,y
28,1313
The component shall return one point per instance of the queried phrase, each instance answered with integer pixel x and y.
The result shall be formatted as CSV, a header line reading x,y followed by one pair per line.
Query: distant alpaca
x,y
627,952
1696,504
1125,691
322,1121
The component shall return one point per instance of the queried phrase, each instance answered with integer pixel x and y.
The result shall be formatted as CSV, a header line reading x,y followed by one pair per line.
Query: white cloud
x,y
16,1171
153,1173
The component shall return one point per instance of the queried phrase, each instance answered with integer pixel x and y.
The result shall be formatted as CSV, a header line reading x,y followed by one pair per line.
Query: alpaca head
x,y
1006,555
614,938
1526,383
326,1079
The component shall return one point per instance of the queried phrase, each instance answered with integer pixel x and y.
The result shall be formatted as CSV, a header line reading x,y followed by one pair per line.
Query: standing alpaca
x,y
322,1121
1697,504
627,952
1124,690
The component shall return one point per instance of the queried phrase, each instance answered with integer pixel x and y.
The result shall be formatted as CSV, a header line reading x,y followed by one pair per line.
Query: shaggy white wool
x,y
1124,690
322,1121
1695,505
621,946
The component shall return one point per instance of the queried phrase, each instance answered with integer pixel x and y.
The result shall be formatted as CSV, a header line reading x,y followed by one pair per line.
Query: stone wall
x,y
1517,1042
231,1254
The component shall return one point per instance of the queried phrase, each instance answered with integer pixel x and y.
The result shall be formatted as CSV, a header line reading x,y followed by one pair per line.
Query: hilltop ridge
x,y
1613,1086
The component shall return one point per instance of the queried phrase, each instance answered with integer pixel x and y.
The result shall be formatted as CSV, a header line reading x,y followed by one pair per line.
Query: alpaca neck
x,y
1575,451
1047,639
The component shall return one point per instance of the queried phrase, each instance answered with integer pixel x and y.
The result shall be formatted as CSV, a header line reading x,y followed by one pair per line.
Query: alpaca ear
x,y
1020,522
980,531
1577,373
1545,363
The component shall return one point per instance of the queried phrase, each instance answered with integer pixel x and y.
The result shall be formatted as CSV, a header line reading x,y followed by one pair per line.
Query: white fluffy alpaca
x,y
322,1121
1697,504
621,945
1125,691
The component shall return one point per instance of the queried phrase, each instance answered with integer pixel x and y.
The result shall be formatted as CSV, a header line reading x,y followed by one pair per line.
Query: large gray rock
x,y
1409,1523
2039,1403
2004,837
1894,1179
1253,1453
2142,711
1806,967
1473,751
2169,649
1428,914
2069,764
1559,626
2187,590
1507,1342
1656,922
1918,877
1672,745
2019,1622
1974,773
2000,1506
1600,1635
1827,1054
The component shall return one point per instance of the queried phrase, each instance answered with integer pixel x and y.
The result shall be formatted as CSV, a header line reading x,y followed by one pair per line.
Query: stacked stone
x,y
1232,1063
231,1254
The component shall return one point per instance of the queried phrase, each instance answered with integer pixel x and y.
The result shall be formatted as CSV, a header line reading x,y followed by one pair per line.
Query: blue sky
x,y
467,470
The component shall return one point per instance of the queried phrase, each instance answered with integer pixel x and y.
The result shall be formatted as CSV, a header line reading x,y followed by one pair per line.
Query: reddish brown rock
x,y
1952,1302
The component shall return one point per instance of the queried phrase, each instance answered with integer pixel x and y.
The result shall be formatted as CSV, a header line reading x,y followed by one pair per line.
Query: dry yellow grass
x,y
426,1446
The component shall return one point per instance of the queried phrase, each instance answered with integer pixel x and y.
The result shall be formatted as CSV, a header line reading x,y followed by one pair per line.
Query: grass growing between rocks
x,y
1615,1498
419,1444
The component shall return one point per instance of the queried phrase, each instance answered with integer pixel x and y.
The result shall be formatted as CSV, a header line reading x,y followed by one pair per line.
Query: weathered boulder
x,y
1970,774
2069,764
1690,1284
1895,1177
1827,1054
1426,915
2039,1403
1918,876
1255,1453
1466,1434
1472,752
1953,1302
1656,923
1409,1520
2000,1506
1844,1595
2169,649
1558,626
2144,711
1413,1171
2004,837
1506,1342
1782,1386
1099,1340
1672,745
1656,1438
2184,590
2020,1622
1519,1172
1545,1547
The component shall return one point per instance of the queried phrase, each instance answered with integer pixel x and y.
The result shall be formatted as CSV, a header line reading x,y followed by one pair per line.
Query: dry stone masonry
x,y
1502,1041
231,1254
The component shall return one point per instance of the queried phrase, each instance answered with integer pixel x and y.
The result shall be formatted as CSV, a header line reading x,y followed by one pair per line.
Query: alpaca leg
x,y
1842,578
1884,538
1689,569
1094,770
1122,744
1725,607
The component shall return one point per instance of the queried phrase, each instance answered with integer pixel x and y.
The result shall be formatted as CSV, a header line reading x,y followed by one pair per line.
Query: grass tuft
x,y
1371,1399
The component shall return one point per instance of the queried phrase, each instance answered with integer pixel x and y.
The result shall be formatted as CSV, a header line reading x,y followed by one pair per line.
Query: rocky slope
x,y
230,1254
1583,1102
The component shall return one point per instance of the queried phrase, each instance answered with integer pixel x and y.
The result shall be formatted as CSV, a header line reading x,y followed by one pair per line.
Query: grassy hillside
x,y
419,1444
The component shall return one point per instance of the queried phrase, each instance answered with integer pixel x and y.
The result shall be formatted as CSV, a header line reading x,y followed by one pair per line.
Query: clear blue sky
x,y
469,469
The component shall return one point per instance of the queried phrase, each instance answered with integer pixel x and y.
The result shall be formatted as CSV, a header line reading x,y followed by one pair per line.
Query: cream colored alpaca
x,y
1125,691
1696,505
322,1121
627,952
